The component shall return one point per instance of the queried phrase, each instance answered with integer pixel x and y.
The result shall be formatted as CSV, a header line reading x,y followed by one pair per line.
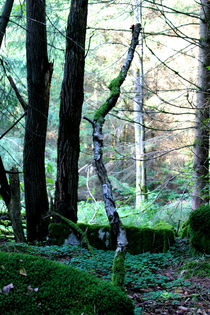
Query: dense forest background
x,y
168,53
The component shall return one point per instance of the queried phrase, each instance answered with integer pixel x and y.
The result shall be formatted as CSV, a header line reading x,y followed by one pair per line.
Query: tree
x,y
39,72
139,114
97,124
4,18
72,96
201,147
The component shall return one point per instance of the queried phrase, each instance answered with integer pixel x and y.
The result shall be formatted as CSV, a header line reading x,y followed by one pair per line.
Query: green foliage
x,y
197,269
185,229
118,270
34,285
200,229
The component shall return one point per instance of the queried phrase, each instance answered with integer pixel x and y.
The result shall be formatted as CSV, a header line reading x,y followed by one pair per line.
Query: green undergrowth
x,y
199,268
140,270
35,285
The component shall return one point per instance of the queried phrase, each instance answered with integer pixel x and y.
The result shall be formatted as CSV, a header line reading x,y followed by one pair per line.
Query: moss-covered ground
x,y
160,283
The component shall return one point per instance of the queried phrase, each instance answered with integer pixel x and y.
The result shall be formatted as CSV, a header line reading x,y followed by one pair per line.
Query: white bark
x,y
138,114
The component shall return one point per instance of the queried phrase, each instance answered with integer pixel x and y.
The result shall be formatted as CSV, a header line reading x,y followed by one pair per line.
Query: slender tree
x,y
201,147
139,113
70,112
39,72
97,124
4,18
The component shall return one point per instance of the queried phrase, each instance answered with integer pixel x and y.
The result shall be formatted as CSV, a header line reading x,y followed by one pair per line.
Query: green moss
x,y
140,240
114,88
115,84
118,270
199,221
58,232
99,114
53,288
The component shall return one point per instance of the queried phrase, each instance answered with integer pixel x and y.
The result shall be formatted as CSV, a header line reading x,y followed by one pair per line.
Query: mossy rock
x,y
200,229
58,232
140,240
41,286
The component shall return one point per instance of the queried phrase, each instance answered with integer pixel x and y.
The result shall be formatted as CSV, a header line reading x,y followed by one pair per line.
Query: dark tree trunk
x,y
201,147
4,18
14,205
11,195
39,72
70,112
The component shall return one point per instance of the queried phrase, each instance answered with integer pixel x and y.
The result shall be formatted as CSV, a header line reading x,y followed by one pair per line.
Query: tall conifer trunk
x,y
201,147
39,72
70,112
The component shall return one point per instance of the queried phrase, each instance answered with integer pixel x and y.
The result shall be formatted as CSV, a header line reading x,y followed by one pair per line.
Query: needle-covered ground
x,y
163,283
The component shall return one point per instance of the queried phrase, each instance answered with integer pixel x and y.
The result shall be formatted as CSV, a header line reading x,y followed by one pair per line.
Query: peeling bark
x,y
97,124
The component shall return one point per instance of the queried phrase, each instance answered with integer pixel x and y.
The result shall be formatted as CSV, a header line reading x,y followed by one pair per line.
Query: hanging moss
x,y
118,270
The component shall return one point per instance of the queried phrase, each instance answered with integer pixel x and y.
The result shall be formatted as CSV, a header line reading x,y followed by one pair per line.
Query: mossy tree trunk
x,y
97,124
72,96
201,147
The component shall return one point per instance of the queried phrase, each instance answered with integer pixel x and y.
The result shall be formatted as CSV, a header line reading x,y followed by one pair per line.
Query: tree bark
x,y
201,147
14,206
141,189
11,196
39,72
4,18
97,124
72,96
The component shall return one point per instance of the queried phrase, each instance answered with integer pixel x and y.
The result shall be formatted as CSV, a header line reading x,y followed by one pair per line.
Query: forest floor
x,y
189,283
175,282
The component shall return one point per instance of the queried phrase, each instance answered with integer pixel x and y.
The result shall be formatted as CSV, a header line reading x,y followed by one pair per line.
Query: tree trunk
x,y
201,147
4,18
11,195
72,96
39,72
97,124
141,189
14,205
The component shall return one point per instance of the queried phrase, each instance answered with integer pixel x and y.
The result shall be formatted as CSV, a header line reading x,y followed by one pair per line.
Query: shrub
x,y
40,286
